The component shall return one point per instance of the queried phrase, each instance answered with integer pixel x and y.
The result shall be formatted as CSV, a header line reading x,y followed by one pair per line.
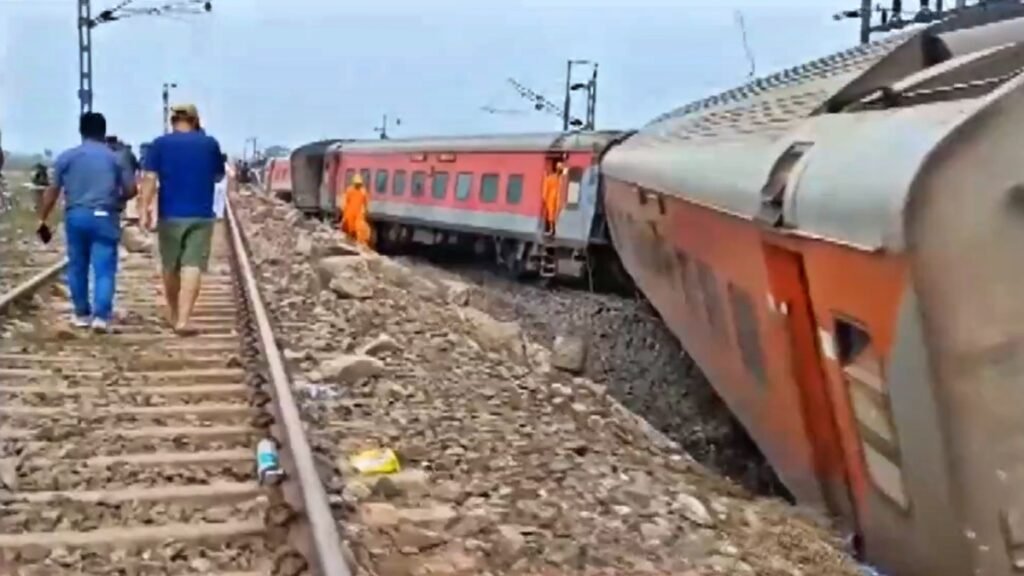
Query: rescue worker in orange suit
x,y
353,213
552,198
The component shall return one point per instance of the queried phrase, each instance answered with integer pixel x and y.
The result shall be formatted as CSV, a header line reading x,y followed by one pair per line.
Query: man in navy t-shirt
x,y
187,163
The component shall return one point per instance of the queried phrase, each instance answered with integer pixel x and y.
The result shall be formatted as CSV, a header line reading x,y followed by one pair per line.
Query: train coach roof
x,y
858,162
537,142
315,148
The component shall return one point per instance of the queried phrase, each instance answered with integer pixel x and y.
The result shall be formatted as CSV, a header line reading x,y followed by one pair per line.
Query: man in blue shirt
x,y
187,163
95,185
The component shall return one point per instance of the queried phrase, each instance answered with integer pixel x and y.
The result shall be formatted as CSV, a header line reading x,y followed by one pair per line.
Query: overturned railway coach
x,y
839,248
481,190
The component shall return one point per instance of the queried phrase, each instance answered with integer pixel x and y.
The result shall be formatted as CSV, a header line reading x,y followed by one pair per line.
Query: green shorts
x,y
185,242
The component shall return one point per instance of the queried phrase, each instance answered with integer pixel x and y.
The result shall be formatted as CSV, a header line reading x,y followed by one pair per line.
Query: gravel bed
x,y
16,518
509,466
172,559
633,354
82,447
44,475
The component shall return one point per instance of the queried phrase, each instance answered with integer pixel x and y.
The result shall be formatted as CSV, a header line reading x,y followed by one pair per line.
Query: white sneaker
x,y
80,321
100,326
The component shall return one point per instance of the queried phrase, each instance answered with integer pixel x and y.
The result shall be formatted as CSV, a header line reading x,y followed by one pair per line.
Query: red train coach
x,y
839,247
485,190
278,178
306,165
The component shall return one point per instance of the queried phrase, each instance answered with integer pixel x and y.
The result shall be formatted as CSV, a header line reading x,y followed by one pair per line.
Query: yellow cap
x,y
357,179
186,110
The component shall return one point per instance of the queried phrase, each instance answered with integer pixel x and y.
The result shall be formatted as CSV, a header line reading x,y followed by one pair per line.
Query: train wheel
x,y
382,238
511,264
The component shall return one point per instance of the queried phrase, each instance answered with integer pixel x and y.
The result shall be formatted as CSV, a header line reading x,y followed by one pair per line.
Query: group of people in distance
x,y
98,182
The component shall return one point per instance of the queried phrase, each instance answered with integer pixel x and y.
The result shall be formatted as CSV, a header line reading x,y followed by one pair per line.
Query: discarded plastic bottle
x,y
268,466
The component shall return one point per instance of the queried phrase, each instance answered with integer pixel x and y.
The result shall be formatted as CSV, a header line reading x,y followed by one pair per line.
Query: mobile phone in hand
x,y
44,233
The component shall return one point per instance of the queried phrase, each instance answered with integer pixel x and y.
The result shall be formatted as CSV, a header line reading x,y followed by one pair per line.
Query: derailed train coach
x,y
839,248
305,170
277,178
483,192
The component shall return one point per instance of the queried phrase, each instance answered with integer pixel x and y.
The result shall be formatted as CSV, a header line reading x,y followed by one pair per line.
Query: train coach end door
x,y
327,204
579,201
791,298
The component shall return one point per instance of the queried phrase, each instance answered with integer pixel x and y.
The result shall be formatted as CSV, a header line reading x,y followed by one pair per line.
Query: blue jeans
x,y
92,238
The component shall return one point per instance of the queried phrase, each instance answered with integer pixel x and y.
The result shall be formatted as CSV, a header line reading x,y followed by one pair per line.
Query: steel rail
x,y
31,285
330,561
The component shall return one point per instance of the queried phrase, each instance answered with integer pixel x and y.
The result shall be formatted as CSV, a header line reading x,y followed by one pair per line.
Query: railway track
x,y
22,256
135,452
21,264
17,280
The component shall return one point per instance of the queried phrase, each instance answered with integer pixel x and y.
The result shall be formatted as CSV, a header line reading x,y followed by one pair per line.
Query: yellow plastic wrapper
x,y
376,461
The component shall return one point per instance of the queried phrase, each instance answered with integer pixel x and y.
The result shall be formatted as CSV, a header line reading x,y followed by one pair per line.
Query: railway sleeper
x,y
133,453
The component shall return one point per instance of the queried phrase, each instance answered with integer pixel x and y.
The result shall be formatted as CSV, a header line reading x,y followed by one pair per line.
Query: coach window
x,y
748,337
419,182
349,175
367,182
439,187
399,183
382,182
489,188
514,189
869,397
572,191
463,186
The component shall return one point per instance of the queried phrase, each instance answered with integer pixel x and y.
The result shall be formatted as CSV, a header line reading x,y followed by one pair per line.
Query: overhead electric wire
x,y
166,9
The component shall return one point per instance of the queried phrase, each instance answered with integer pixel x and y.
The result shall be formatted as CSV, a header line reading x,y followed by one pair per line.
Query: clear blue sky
x,y
290,71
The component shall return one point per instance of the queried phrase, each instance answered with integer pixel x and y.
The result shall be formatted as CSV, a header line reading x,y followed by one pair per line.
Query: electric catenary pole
x,y
589,87
893,16
383,128
166,96
543,104
85,26
124,9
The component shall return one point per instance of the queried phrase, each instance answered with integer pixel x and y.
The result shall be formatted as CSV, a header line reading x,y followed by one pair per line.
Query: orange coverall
x,y
552,198
353,214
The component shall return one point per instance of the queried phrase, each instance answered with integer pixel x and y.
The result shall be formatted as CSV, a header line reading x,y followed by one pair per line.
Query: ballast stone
x,y
335,266
303,244
495,335
569,353
382,344
458,292
350,368
693,510
350,288
345,276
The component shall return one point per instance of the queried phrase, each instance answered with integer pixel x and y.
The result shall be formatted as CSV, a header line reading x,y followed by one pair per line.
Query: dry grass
x,y
20,250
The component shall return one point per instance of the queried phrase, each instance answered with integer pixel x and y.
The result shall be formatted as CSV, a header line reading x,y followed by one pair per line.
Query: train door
x,y
579,201
327,204
552,191
790,297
